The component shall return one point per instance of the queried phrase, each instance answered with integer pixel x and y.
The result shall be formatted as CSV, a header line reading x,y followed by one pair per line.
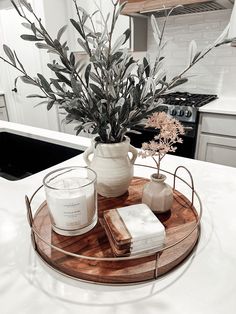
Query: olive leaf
x,y
35,96
26,25
129,70
83,45
30,37
50,104
87,73
63,79
178,82
96,90
56,85
222,35
155,27
61,32
27,5
192,51
9,54
146,67
76,86
42,46
118,43
44,83
72,58
127,34
77,27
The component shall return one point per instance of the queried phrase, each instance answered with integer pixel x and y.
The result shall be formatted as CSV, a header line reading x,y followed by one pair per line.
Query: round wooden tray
x,y
89,256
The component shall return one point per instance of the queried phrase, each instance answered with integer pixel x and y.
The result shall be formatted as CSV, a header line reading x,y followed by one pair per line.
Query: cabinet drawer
x,y
217,149
218,124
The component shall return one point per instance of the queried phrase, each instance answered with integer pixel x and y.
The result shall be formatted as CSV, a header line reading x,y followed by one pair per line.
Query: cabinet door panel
x,y
217,149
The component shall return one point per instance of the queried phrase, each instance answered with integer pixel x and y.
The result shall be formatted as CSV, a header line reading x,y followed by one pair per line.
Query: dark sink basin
x,y
22,156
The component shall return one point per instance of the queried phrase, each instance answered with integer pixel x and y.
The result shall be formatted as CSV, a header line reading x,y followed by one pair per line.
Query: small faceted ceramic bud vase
x,y
157,194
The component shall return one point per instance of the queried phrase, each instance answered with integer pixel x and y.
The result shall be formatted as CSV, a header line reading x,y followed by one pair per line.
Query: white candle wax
x,y
71,206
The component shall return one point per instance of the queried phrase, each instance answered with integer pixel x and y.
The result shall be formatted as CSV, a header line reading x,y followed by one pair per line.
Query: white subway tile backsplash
x,y
188,19
180,53
204,28
226,62
220,14
187,37
173,61
211,35
224,51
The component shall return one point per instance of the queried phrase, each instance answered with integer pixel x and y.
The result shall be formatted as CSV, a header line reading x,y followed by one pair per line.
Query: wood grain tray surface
x,y
179,222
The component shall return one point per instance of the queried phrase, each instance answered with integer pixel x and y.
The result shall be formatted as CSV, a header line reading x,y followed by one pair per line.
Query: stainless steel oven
x,y
184,107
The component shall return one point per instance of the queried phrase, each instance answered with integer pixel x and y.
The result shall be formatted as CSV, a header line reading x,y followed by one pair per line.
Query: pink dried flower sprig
x,y
164,142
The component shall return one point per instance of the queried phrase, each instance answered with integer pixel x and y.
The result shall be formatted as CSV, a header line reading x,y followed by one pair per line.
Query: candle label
x,y
69,213
75,212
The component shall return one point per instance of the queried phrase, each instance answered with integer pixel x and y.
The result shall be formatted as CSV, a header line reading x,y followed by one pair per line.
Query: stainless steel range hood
x,y
188,6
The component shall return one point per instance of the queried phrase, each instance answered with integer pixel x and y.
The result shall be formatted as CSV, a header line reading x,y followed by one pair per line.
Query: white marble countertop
x,y
204,284
59,138
223,105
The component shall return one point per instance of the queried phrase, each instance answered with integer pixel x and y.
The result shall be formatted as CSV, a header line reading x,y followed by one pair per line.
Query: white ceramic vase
x,y
157,194
113,166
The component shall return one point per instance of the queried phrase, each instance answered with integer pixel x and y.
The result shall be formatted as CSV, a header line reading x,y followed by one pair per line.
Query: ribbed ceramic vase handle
x,y
86,154
134,152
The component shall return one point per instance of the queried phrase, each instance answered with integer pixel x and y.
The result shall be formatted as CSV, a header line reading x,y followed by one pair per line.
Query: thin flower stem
x,y
157,165
158,169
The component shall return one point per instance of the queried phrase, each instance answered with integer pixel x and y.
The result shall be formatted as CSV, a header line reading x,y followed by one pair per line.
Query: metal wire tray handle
x,y
191,178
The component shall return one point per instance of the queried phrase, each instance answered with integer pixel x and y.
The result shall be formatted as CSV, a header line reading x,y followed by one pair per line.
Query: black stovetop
x,y
187,99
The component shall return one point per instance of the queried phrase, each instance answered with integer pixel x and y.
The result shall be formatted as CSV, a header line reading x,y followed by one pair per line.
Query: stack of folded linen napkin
x,y
133,229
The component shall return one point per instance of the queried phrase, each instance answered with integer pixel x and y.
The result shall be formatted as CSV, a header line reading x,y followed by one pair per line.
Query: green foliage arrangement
x,y
114,92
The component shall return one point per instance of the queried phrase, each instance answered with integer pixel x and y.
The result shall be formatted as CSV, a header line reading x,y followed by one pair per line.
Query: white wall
x,y
214,74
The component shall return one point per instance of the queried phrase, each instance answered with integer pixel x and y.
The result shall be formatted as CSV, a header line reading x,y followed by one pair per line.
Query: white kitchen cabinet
x,y
217,139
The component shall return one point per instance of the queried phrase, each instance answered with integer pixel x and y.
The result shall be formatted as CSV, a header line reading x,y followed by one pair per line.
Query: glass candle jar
x,y
72,200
